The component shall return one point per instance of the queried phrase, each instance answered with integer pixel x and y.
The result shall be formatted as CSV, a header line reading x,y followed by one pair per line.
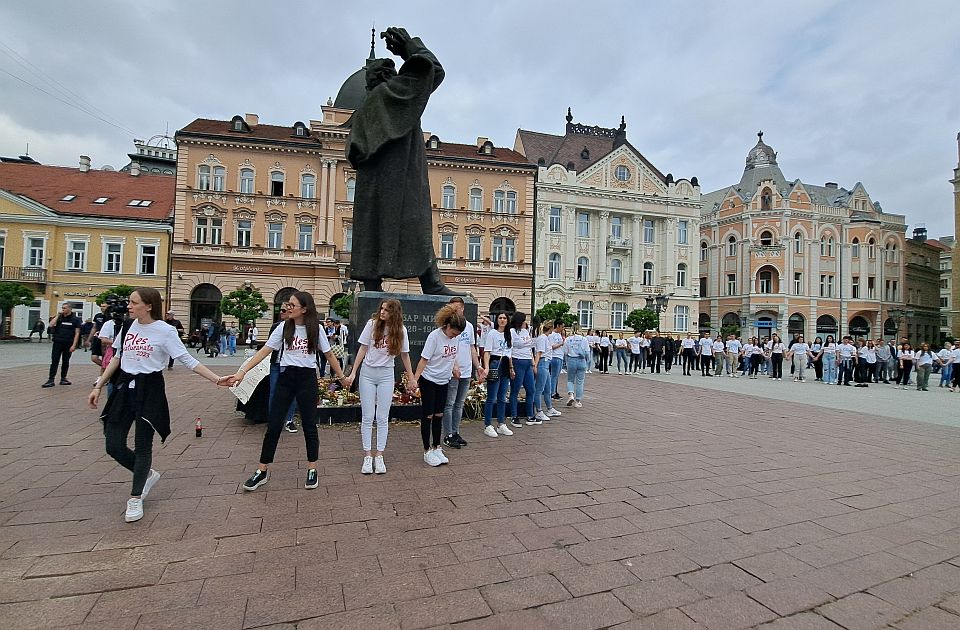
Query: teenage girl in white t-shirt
x,y
139,396
498,349
438,364
384,337
299,340
906,365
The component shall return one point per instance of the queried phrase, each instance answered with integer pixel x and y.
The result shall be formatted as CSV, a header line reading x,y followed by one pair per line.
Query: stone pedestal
x,y
418,314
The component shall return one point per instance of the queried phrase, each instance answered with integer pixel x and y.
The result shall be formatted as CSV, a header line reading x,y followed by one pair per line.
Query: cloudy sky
x,y
844,90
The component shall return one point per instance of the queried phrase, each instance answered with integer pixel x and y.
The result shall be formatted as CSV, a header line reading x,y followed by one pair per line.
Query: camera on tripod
x,y
117,308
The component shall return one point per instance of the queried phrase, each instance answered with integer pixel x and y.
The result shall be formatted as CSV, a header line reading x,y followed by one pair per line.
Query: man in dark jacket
x,y
64,331
657,347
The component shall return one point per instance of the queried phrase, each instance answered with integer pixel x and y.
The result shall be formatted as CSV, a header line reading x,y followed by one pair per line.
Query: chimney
x,y
251,119
135,168
831,185
84,163
920,233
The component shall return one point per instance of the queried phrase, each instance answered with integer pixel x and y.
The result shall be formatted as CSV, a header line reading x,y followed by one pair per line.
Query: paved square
x,y
671,502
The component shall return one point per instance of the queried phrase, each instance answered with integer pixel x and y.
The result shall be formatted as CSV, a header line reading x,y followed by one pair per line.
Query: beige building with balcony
x,y
921,284
955,277
790,257
612,230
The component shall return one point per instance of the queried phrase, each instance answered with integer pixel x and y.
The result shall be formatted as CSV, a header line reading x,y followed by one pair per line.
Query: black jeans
x,y
846,372
604,358
777,360
298,383
433,399
60,356
706,363
689,358
137,461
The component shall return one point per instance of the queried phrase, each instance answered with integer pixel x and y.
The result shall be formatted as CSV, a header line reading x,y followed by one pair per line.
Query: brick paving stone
x,y
293,606
512,620
951,604
596,578
651,597
929,619
719,580
146,599
208,567
729,612
773,565
391,588
557,537
442,609
467,575
670,619
214,617
540,561
921,588
526,592
660,564
803,621
411,560
789,596
48,613
556,518
381,617
239,587
861,611
487,547
586,613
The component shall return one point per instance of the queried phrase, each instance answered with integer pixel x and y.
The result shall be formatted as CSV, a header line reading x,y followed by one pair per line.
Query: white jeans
x,y
376,396
800,365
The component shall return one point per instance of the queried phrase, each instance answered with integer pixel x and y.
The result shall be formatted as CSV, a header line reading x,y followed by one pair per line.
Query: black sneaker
x,y
258,479
290,427
64,381
459,439
312,481
451,442
515,422
555,397
49,383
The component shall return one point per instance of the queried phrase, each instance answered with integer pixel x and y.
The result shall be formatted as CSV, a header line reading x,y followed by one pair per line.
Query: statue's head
x,y
380,71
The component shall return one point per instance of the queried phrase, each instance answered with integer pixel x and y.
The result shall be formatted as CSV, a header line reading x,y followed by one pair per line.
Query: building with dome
x,y
790,257
613,232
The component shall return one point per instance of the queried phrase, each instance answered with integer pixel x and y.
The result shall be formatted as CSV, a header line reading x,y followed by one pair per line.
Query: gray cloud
x,y
845,91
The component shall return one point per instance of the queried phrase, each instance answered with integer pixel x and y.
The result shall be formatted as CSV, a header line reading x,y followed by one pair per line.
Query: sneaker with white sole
x,y
503,430
151,481
134,510
570,400
438,453
378,466
553,412
489,431
290,427
515,422
367,468
542,416
533,420
312,480
578,404
430,459
258,478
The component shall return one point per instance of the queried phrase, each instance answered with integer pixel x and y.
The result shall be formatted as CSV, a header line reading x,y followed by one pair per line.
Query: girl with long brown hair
x,y
299,342
383,338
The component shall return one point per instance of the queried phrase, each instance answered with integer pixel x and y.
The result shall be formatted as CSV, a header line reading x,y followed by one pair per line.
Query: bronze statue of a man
x,y
392,216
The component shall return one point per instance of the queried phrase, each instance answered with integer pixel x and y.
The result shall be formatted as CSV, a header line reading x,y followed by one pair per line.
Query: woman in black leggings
x,y
906,364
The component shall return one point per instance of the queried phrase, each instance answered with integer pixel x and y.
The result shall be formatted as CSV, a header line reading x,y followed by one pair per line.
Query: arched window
x,y
648,274
767,280
798,243
766,238
553,267
351,189
682,275
732,245
308,186
766,199
826,245
449,198
616,271
476,200
830,243
871,248
246,181
855,248
276,183
583,269
703,252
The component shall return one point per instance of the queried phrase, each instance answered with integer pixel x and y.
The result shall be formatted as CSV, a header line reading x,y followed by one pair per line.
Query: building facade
x,y
788,257
955,278
71,233
612,230
921,286
948,244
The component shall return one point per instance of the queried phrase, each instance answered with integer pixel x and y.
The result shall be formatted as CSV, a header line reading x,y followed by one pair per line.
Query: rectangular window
x,y
855,250
583,224
945,283
618,315
647,274
275,235
305,237
219,174
348,238
511,202
553,267
616,228
446,246
35,252
148,260
731,246
112,257
855,287
681,317
3,243
555,220
77,256
476,200
203,178
797,283
202,230
871,288
826,285
648,230
766,283
504,249
498,199
585,313
276,184
731,284
244,229
246,181
473,248
448,198
682,232
944,302
308,187
216,231
703,287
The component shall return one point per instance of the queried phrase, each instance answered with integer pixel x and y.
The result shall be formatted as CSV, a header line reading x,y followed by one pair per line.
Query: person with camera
x,y
143,345
64,331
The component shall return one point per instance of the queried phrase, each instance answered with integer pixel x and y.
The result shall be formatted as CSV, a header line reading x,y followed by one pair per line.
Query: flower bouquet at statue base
x,y
332,394
402,396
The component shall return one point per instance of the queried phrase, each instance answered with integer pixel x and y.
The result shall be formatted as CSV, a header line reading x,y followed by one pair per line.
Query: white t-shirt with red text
x,y
148,348
378,354
297,354
441,353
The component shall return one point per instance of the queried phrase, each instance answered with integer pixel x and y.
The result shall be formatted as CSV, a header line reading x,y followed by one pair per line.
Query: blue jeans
x,y
946,372
232,343
541,386
496,394
555,364
522,375
453,411
622,359
829,371
222,344
274,375
576,372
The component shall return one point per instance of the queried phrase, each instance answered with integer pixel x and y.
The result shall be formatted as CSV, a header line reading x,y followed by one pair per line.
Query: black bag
x,y
493,374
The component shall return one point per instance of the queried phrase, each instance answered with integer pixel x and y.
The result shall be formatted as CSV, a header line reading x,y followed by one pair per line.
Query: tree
x,y
643,319
13,294
730,329
121,290
245,304
554,311
341,306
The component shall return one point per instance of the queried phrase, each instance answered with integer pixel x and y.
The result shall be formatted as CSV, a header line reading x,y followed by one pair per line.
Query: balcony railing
x,y
25,274
618,243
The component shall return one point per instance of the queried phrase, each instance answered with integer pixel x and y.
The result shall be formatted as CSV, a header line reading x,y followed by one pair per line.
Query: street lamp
x,y
657,304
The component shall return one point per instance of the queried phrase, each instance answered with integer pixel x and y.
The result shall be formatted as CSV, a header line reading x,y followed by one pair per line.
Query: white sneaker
x,y
134,510
578,404
489,431
438,453
430,459
504,430
367,467
542,416
378,466
151,481
562,371
552,412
